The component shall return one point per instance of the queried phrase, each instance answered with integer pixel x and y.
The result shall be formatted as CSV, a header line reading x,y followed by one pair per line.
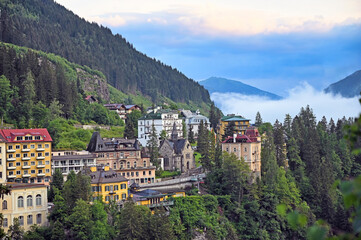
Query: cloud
x,y
322,104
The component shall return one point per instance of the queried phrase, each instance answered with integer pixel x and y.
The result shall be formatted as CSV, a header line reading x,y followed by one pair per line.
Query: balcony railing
x,y
12,176
25,158
40,149
161,204
40,166
11,159
26,167
26,150
41,174
11,150
12,168
26,175
40,158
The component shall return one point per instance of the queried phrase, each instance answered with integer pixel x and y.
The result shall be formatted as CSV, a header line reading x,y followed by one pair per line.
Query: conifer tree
x,y
129,130
152,145
5,97
280,144
229,130
191,134
58,182
258,121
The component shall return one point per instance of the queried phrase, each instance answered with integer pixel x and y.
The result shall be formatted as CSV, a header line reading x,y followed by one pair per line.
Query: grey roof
x,y
101,176
71,157
97,144
177,145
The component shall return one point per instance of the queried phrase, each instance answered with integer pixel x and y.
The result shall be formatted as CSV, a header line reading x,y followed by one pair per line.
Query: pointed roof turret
x,y
174,136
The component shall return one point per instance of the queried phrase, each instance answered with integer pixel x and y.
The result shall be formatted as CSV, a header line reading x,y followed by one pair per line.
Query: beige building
x,y
28,203
248,147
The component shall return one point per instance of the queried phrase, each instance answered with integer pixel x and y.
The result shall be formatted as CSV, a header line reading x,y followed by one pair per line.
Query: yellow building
x,y
28,155
241,124
28,203
2,160
108,184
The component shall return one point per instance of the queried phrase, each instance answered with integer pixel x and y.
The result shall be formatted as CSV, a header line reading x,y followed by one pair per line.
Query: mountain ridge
x,y
347,87
224,85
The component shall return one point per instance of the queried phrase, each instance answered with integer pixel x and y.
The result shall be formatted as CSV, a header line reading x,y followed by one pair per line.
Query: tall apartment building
x,y
28,155
162,120
2,160
123,156
28,203
246,146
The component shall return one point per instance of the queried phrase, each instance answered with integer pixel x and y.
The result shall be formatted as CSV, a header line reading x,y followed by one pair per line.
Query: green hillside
x,y
47,26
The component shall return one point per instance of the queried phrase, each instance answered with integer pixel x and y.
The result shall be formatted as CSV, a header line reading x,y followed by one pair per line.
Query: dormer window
x,y
37,138
19,138
28,137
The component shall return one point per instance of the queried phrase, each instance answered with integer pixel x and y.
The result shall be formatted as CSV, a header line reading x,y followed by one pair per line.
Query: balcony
x,y
26,175
26,167
40,158
41,174
11,150
25,158
26,150
40,149
112,192
11,159
40,166
12,176
12,168
161,204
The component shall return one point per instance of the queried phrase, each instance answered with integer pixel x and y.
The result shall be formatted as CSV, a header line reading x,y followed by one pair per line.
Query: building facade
x,y
28,155
240,124
162,120
177,153
124,157
2,160
68,161
107,184
193,120
28,203
246,146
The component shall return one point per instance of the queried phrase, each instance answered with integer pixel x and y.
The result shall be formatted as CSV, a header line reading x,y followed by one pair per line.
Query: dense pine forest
x,y
47,26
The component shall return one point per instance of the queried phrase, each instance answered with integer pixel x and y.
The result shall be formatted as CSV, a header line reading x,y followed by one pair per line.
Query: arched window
x,y
29,201
5,205
144,163
128,164
38,218
20,201
38,200
21,220
30,220
5,222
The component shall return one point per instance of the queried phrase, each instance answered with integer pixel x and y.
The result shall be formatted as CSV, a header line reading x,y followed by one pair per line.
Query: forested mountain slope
x,y
47,26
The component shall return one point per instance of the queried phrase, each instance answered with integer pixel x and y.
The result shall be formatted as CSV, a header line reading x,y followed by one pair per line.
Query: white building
x,y
194,120
75,161
162,120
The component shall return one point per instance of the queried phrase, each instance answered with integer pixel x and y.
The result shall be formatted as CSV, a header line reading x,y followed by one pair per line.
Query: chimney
x,y
234,137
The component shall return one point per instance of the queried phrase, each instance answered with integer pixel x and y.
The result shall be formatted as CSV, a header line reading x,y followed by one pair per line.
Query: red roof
x,y
10,134
250,136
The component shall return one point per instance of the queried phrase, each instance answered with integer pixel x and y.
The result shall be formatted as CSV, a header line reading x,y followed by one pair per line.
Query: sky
x,y
277,46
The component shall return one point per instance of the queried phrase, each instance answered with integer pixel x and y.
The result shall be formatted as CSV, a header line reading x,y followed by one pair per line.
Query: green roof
x,y
234,119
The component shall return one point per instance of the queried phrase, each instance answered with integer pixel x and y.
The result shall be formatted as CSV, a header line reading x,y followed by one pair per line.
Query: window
x,y
11,164
40,146
107,188
128,174
29,201
38,200
121,165
46,145
47,170
11,173
10,147
143,173
17,155
25,155
116,187
10,156
25,164
38,218
21,220
123,186
20,202
137,174
18,172
5,205
19,138
17,146
32,146
37,138
128,164
25,146
227,149
245,149
234,149
32,171
144,163
115,165
40,171
47,162
188,156
18,164
116,197
135,164
32,163
150,172
124,196
5,222
30,219
32,154
47,154
107,198
28,137
25,171
40,154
